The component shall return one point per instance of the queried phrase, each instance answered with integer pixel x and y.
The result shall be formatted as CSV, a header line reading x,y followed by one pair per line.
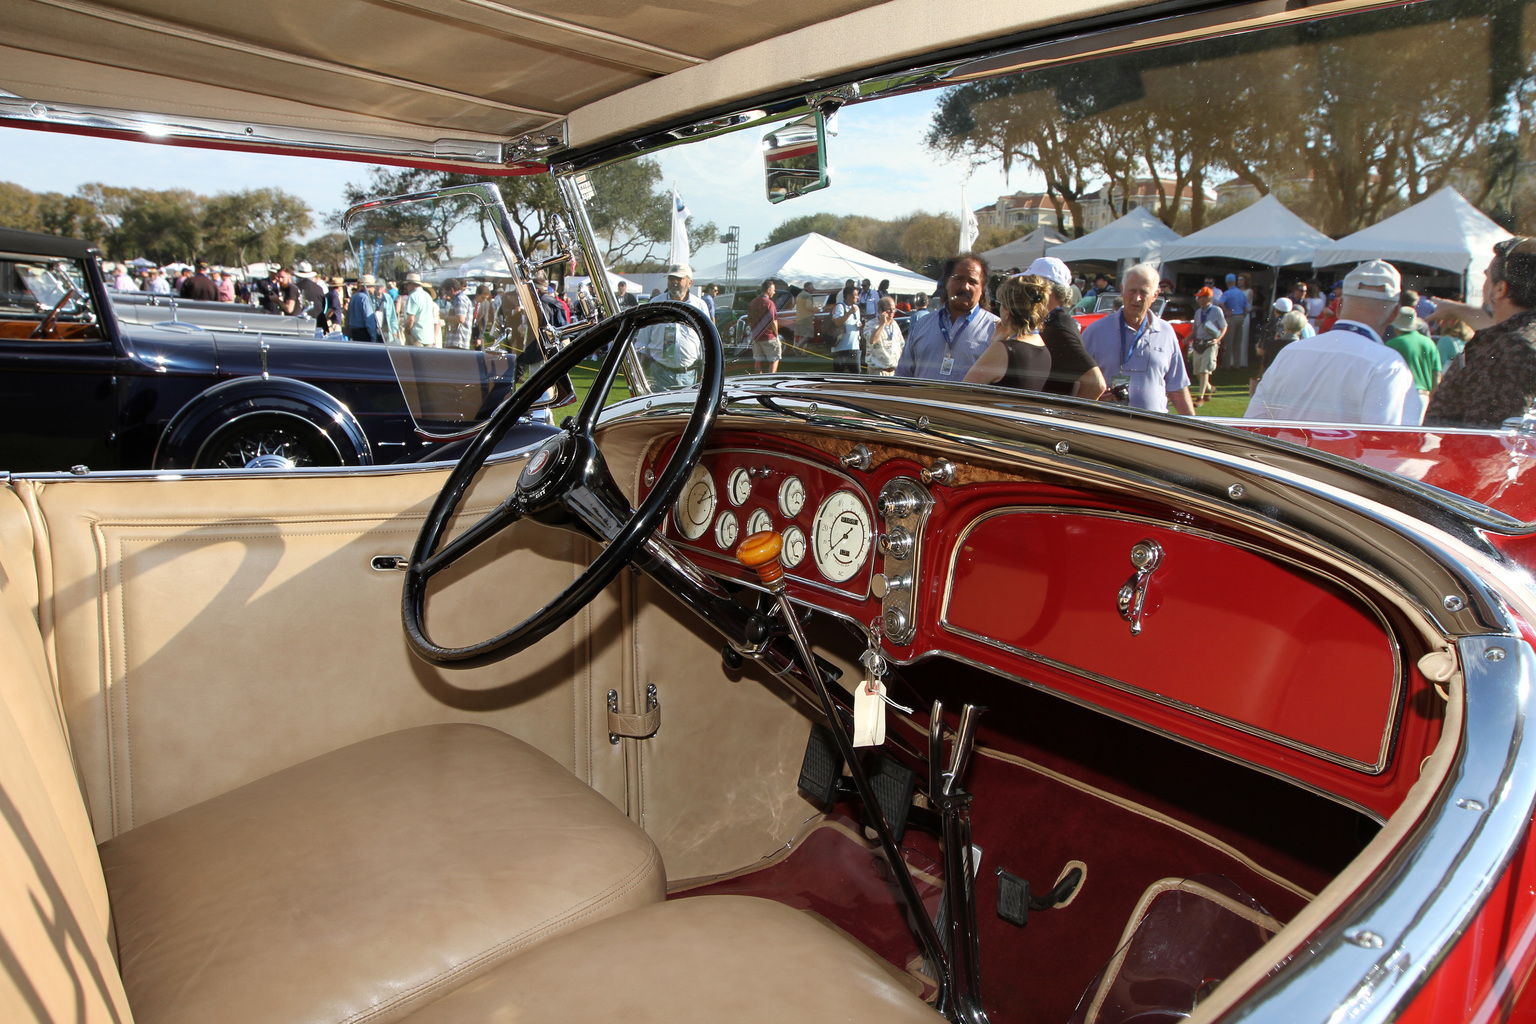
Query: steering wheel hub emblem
x,y
543,459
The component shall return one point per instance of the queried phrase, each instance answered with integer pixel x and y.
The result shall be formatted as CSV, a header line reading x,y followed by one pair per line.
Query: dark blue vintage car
x,y
80,385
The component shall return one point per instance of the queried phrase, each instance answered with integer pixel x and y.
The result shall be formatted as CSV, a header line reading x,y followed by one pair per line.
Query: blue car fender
x,y
320,415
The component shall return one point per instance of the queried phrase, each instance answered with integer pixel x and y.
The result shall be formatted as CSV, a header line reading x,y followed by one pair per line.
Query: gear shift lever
x,y
760,553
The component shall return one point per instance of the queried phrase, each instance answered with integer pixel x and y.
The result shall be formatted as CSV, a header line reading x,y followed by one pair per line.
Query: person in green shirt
x,y
1417,350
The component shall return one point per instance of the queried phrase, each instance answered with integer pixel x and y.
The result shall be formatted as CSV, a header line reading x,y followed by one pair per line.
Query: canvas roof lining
x,y
177,57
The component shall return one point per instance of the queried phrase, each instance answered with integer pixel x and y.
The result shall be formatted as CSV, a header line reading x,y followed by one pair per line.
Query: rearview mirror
x,y
795,158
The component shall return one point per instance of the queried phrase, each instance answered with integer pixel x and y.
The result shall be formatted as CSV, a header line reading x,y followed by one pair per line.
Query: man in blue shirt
x,y
943,346
362,319
1138,348
1233,302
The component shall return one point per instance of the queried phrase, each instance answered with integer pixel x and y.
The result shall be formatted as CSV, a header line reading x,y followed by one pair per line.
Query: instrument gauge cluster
x,y
824,516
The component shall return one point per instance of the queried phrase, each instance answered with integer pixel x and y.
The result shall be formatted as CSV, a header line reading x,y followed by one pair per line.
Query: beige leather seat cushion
x,y
362,883
703,958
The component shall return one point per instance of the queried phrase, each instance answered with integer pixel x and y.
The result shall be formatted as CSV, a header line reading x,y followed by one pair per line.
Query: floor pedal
x,y
822,767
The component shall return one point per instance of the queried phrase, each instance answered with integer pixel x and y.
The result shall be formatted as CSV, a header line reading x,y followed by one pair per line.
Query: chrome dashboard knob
x,y
896,622
897,543
880,584
894,504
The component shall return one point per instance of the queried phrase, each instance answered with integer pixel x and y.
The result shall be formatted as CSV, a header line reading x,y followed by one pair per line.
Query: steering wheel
x,y
565,483
46,326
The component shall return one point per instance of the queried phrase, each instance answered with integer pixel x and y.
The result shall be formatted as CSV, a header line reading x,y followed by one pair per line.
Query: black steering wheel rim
x,y
566,452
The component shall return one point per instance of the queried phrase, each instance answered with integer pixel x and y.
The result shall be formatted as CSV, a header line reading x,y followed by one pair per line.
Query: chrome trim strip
x,y
1394,703
23,112
145,475
1378,949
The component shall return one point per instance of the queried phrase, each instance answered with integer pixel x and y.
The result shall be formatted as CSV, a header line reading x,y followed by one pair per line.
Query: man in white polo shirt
x,y
1346,374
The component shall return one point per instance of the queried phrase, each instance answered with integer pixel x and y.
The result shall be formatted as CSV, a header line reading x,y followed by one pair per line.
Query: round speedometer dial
x,y
696,505
840,536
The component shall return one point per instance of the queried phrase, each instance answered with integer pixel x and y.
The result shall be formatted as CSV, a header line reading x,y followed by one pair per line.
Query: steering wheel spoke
x,y
566,483
487,526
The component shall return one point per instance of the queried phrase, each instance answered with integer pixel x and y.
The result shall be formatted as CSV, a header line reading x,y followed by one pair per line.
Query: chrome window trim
x,y
17,111
1388,733
306,472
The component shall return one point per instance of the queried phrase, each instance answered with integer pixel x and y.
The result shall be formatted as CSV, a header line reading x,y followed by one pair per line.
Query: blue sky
x,y
878,167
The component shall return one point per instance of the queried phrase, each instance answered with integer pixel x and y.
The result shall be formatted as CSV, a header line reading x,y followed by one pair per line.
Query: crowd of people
x,y
1367,351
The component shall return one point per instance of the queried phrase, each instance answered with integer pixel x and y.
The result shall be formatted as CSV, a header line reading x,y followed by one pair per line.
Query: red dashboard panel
x,y
1227,633
1243,652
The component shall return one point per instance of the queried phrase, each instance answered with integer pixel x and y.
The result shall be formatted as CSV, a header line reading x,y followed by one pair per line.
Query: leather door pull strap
x,y
635,726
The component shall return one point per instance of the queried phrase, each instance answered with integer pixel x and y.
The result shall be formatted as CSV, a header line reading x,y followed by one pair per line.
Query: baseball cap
x,y
1052,269
1231,279
1205,293
679,270
1374,279
1282,305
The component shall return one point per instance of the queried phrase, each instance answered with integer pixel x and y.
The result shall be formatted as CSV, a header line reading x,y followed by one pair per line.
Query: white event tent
x,y
1021,252
491,263
820,260
1135,238
1444,231
1265,232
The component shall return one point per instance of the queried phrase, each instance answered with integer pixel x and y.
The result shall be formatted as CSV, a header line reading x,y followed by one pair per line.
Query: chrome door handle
x,y
1146,556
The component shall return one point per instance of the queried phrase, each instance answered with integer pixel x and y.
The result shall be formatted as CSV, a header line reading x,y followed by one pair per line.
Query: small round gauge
x,y
739,485
726,530
696,505
841,536
791,496
759,521
793,551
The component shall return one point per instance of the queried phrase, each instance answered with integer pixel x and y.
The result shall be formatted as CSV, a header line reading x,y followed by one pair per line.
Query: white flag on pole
x,y
969,229
680,215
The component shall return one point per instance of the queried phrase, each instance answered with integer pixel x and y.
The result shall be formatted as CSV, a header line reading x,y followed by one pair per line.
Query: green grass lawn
x,y
1231,393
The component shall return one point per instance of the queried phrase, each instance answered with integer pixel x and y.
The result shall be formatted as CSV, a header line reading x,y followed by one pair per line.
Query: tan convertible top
x,y
452,80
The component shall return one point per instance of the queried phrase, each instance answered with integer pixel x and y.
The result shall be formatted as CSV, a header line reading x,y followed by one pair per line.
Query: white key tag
x,y
869,713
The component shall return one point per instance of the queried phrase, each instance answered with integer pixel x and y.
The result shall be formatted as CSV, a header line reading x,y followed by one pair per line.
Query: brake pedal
x,y
822,766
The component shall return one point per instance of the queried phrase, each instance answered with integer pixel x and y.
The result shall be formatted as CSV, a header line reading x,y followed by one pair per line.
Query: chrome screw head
x,y
1453,603
1062,447
1235,491
1494,654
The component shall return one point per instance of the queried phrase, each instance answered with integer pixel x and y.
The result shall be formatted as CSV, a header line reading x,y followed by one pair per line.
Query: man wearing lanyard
x,y
1346,374
1138,349
943,347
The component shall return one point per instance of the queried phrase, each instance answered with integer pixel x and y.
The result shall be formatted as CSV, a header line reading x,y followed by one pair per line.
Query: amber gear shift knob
x,y
760,553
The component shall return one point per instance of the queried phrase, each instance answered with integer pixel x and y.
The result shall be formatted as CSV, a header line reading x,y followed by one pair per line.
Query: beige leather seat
x,y
362,883
368,883
702,958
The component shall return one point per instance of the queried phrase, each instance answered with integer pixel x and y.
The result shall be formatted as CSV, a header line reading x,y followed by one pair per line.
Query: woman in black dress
x,y
1017,357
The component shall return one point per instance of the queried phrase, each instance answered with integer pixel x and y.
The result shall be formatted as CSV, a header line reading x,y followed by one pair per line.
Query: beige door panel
x,y
211,631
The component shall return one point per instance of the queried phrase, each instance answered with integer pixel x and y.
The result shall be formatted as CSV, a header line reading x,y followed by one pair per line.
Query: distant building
x,y
1109,203
1022,212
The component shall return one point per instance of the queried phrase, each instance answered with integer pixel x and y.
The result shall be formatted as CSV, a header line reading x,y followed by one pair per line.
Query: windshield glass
x,y
1338,184
438,284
